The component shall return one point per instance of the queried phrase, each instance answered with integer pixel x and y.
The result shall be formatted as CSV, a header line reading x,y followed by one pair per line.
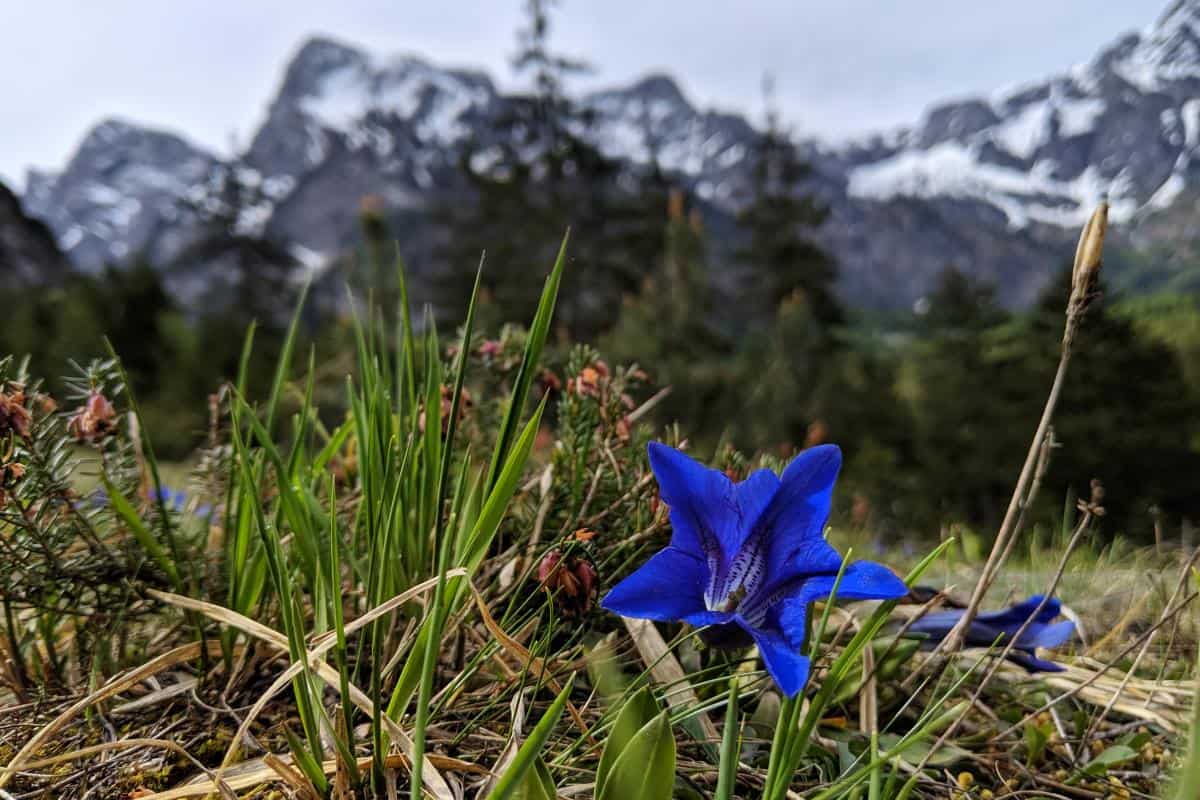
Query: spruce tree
x,y
535,174
970,405
779,258
669,329
1126,417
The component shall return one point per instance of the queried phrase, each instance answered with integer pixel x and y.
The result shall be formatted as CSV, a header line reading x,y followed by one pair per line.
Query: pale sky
x,y
207,68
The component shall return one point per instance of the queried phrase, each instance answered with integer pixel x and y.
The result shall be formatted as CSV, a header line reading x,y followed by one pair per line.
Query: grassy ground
x,y
408,597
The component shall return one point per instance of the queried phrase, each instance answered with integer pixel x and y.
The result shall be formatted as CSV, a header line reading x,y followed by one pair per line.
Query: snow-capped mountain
x,y
1125,125
125,192
993,185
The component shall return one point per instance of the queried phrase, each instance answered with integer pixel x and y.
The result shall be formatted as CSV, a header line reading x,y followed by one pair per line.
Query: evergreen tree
x,y
136,305
971,405
234,274
668,328
1126,416
788,366
779,258
532,177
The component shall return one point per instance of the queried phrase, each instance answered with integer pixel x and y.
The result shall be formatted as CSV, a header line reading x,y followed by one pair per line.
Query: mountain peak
x,y
659,85
116,133
1181,13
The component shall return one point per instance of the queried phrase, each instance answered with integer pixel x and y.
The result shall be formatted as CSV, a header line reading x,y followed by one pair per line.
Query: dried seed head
x,y
572,581
550,382
1089,252
94,421
11,473
15,418
675,205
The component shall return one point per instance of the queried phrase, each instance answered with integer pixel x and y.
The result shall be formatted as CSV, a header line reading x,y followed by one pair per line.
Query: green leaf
x,y
143,535
538,331
513,777
1110,757
901,652
646,767
918,751
1036,739
537,783
637,712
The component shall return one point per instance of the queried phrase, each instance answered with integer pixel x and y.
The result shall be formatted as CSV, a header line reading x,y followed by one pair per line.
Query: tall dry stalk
x,y
1083,281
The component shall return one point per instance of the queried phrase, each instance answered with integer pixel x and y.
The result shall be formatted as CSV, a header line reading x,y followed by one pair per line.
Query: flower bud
x,y
1089,251
14,416
94,421
571,581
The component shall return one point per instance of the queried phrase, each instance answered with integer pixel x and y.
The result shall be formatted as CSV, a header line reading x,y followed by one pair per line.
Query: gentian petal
x,y
754,496
744,564
981,634
797,515
700,619
703,502
668,587
867,580
936,625
786,666
1032,663
996,627
1014,616
1052,635
863,580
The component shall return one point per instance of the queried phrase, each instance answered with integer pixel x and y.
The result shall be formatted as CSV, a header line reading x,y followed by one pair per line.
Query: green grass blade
x,y
532,747
244,362
145,538
727,776
1187,781
285,361
538,333
443,543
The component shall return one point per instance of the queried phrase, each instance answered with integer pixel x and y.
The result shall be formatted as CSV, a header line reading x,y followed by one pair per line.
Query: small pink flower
x,y
14,416
94,421
571,581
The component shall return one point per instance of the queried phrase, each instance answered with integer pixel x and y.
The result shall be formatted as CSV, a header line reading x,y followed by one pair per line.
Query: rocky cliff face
x,y
1126,124
28,254
127,191
993,185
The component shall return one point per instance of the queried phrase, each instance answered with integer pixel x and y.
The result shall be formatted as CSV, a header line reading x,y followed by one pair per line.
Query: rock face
x,y
28,254
128,191
1126,124
996,186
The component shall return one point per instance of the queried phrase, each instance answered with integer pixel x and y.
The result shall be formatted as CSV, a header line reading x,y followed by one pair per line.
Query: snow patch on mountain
x,y
653,120
340,88
951,169
1025,132
1046,152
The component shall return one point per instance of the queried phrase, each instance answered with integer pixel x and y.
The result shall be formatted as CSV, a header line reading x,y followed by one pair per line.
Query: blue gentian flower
x,y
998,627
748,559
173,499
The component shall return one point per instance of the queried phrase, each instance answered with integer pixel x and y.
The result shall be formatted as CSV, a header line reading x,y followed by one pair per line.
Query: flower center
x,y
733,600
730,584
